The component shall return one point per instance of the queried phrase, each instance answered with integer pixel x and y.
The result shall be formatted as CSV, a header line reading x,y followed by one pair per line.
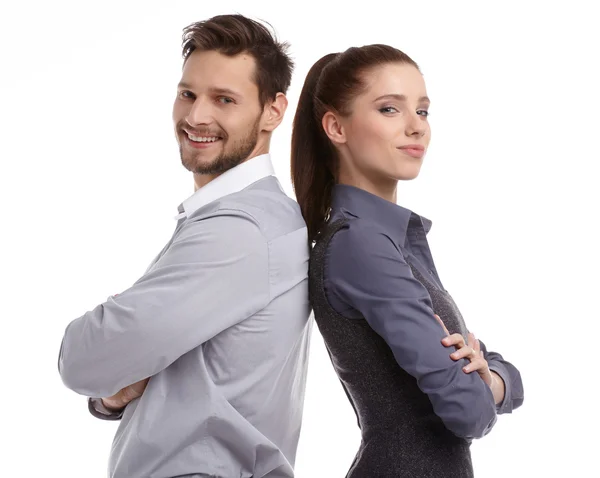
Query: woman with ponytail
x,y
422,386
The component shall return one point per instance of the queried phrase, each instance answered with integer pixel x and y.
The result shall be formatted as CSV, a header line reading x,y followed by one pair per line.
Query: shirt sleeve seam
x,y
346,228
262,233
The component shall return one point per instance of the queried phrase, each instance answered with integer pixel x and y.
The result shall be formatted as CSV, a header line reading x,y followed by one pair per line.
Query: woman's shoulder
x,y
346,237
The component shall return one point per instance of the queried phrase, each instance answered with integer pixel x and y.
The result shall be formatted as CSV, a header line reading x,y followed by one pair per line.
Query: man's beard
x,y
238,153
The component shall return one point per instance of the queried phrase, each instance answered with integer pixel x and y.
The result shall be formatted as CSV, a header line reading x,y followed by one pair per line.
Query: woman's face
x,y
386,134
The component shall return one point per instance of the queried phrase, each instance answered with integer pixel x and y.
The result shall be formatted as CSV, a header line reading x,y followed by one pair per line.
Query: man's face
x,y
217,113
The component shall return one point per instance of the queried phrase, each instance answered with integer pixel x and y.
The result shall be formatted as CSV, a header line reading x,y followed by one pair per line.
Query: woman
x,y
395,336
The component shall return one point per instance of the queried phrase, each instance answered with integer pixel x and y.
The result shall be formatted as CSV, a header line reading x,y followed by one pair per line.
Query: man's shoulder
x,y
274,212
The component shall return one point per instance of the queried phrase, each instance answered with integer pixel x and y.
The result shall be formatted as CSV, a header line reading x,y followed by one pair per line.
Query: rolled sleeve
x,y
97,409
367,271
214,275
513,384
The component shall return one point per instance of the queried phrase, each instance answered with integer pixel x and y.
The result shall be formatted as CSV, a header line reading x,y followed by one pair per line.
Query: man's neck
x,y
201,180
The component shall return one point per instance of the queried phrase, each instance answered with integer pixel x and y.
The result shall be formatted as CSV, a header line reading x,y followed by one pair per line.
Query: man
x,y
204,358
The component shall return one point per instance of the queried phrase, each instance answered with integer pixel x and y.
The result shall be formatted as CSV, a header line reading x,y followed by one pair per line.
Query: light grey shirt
x,y
220,322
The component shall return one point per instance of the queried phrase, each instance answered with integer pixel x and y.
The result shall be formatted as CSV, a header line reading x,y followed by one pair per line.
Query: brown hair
x,y
235,34
331,85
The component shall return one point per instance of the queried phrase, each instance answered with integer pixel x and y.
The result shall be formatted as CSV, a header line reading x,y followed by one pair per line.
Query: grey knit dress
x,y
401,434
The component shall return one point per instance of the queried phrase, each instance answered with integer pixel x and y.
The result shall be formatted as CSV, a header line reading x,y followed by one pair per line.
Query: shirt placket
x,y
419,249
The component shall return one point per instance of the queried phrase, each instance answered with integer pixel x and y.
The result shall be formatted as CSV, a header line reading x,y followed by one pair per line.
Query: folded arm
x,y
367,271
213,276
511,378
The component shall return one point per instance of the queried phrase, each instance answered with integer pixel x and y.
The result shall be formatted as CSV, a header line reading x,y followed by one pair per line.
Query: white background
x,y
91,178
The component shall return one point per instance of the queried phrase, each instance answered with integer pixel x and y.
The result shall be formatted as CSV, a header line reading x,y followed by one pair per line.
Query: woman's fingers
x,y
465,352
455,339
476,364
442,324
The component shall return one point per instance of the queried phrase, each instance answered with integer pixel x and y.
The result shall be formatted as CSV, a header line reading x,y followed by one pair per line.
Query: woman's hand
x,y
471,351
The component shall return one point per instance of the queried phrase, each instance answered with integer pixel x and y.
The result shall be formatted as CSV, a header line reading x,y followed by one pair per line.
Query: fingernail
x,y
466,369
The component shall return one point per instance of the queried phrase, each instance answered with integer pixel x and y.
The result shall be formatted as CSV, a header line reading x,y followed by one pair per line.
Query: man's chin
x,y
197,165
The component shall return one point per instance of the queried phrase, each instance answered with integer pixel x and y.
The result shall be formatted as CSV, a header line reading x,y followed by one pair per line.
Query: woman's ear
x,y
333,128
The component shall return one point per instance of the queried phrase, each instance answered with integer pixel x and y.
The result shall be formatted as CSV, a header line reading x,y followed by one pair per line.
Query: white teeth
x,y
203,139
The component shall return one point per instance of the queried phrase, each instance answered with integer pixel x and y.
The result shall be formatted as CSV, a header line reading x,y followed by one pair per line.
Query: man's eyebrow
x,y
225,92
217,91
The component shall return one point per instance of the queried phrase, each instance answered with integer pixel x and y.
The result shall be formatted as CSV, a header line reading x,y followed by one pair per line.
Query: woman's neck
x,y
386,189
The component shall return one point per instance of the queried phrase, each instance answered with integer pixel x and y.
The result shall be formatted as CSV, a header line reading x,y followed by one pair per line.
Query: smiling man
x,y
204,358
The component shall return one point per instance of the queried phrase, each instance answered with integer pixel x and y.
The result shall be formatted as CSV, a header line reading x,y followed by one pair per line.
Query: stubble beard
x,y
229,157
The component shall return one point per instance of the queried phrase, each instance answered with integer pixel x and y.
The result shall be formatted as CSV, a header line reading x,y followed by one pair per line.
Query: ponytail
x,y
331,85
313,156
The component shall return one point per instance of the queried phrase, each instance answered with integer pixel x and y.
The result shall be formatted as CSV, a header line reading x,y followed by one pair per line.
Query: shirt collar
x,y
363,204
231,181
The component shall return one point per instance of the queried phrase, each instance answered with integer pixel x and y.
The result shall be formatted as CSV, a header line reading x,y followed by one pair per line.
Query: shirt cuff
x,y
505,406
97,409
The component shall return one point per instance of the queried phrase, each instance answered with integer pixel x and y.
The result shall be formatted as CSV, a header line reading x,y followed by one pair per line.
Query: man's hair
x,y
235,34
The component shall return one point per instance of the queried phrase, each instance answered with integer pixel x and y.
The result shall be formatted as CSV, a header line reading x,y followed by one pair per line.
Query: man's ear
x,y
273,112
